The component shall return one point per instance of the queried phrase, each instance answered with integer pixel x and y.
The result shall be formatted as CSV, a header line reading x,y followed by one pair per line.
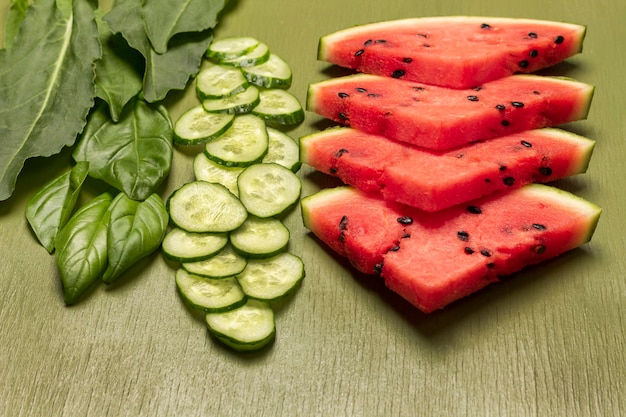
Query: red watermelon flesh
x,y
456,52
437,258
443,118
434,180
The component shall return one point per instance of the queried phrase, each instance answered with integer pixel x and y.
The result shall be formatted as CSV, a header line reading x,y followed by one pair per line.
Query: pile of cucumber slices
x,y
226,234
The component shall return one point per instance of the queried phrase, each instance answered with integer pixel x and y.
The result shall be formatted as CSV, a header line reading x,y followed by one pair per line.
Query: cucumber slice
x,y
274,73
231,48
242,102
282,150
248,328
268,189
279,107
217,81
182,246
225,264
210,295
206,170
204,207
272,278
260,238
198,126
257,56
244,144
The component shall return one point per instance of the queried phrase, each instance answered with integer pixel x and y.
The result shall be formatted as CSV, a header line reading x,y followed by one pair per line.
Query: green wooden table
x,y
547,341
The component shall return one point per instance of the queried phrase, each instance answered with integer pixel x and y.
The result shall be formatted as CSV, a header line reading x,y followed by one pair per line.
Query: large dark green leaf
x,y
81,247
163,72
136,229
48,210
181,17
119,73
46,84
133,155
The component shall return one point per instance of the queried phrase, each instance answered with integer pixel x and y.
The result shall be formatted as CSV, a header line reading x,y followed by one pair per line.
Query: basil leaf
x,y
119,72
15,17
163,72
48,210
46,84
133,155
81,247
181,17
136,229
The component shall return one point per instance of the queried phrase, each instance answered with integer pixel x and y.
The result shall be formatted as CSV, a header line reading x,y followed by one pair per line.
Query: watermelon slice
x,y
434,180
433,259
456,52
443,118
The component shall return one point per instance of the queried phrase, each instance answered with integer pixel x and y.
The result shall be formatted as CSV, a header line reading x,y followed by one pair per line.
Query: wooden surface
x,y
547,341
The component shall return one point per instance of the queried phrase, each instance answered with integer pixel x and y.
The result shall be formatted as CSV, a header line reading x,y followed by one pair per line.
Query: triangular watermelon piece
x,y
452,51
433,259
443,118
434,180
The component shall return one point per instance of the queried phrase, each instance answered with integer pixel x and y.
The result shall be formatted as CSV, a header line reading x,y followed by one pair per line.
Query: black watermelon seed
x,y
342,116
545,171
378,268
418,88
526,144
341,151
405,220
472,98
536,92
508,181
459,155
380,41
359,52
485,252
559,39
422,35
490,265
397,73
342,237
502,168
407,60
426,45
523,63
539,249
485,26
367,42
534,53
517,104
505,123
474,210
532,35
487,180
372,95
477,88
361,89
406,235
343,224
500,107
463,235
468,250
343,95
539,226
394,248
333,170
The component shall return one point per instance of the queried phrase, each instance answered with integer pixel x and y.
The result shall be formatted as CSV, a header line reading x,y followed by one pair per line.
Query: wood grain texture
x,y
550,340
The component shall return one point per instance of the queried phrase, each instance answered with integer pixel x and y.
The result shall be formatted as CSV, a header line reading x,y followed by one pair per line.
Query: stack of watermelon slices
x,y
446,139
